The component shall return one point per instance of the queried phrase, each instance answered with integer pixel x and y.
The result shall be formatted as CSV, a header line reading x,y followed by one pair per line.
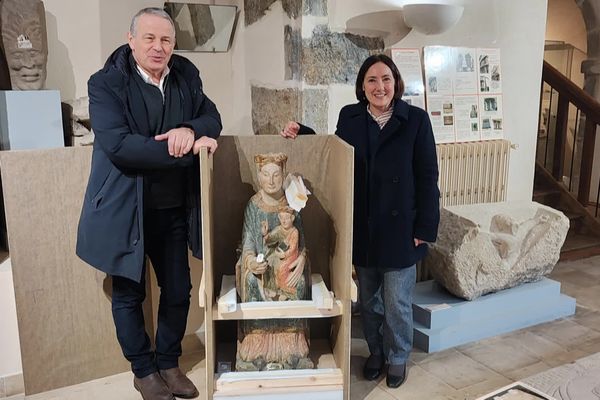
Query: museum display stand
x,y
228,181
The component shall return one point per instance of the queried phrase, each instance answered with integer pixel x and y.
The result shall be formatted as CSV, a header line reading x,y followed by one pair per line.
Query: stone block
x,y
484,248
317,8
256,9
331,57
315,105
273,108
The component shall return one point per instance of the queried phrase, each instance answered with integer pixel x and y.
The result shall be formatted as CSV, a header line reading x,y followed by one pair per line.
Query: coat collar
x,y
401,109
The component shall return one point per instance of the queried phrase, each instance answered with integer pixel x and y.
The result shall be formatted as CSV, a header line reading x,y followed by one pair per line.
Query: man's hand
x,y
180,140
291,130
205,141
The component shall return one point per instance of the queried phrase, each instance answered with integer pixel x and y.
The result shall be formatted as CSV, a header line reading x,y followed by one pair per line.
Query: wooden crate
x,y
227,182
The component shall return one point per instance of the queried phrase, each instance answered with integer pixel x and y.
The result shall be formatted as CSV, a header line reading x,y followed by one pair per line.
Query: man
x,y
150,118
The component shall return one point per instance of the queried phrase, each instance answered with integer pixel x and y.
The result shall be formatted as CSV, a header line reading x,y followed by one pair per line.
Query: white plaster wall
x,y
73,45
10,362
516,27
565,23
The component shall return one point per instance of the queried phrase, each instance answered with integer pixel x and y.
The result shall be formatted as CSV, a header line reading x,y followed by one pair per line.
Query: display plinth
x,y
443,320
227,183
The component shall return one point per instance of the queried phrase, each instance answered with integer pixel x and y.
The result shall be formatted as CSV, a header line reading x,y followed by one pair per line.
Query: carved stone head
x,y
25,42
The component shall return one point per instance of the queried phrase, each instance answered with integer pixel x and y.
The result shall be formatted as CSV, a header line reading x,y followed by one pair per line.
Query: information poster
x,y
408,62
464,83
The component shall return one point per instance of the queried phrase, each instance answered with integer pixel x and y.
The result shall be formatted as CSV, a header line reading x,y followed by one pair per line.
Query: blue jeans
x,y
386,311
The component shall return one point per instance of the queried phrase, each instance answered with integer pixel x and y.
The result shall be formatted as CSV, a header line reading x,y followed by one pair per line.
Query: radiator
x,y
473,172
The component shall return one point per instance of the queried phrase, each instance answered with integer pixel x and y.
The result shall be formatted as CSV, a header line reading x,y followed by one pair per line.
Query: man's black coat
x,y
111,227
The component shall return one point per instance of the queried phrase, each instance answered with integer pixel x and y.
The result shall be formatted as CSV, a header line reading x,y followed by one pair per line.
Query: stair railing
x,y
565,111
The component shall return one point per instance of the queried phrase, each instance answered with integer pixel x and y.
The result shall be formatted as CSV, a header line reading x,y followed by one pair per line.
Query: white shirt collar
x,y
149,80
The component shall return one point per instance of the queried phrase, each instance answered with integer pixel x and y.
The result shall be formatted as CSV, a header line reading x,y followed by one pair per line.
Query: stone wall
x,y
314,58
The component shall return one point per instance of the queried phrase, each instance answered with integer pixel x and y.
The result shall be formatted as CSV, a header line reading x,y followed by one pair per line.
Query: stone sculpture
x,y
272,267
25,42
79,119
484,248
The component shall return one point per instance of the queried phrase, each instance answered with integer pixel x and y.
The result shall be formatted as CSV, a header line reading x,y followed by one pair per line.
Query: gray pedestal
x,y
30,119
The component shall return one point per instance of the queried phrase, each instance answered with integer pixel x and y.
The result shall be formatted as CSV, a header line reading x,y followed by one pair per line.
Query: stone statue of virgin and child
x,y
273,266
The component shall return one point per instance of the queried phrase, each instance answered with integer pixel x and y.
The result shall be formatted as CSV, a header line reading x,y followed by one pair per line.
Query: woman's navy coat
x,y
396,197
110,235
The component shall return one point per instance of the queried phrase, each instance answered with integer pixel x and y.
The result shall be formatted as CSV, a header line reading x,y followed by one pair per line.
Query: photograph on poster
x,y
497,124
484,64
447,107
465,62
448,120
474,127
484,85
433,84
485,124
473,113
496,73
490,104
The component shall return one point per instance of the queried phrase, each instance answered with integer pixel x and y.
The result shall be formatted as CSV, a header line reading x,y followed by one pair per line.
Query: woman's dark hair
x,y
369,62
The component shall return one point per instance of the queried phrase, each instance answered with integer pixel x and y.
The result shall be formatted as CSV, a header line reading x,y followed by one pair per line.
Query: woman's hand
x,y
297,269
418,242
290,131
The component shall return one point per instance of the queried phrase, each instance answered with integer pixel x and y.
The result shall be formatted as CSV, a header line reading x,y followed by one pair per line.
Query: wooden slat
x,y
587,161
562,118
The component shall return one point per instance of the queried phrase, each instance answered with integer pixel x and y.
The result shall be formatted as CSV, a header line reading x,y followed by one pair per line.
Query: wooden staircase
x,y
583,238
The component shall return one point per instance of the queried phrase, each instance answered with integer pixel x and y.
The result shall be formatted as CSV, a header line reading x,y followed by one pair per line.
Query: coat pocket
x,y
97,199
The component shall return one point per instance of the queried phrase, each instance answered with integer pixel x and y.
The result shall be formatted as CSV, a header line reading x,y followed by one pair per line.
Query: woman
x,y
396,208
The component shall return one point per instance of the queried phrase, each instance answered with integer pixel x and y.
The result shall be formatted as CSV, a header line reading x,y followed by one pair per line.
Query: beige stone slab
x,y
481,388
375,394
569,334
458,371
2,391
541,347
579,278
527,371
418,356
589,318
420,384
502,356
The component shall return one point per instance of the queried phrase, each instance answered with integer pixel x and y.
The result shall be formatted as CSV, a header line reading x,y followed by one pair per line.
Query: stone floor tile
x,y
589,318
420,384
537,345
418,356
522,373
569,334
375,393
501,356
487,386
577,277
458,370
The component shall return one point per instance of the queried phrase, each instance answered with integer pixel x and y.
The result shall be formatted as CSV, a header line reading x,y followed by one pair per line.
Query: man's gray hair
x,y
152,11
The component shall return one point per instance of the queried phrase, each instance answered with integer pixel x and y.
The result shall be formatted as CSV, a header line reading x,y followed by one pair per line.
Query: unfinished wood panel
x,y
206,199
65,324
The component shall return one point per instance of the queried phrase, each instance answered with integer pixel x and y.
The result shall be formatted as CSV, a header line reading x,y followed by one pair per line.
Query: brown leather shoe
x,y
152,387
179,384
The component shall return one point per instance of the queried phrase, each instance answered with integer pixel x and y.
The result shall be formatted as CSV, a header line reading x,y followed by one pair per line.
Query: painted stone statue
x,y
273,266
25,42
